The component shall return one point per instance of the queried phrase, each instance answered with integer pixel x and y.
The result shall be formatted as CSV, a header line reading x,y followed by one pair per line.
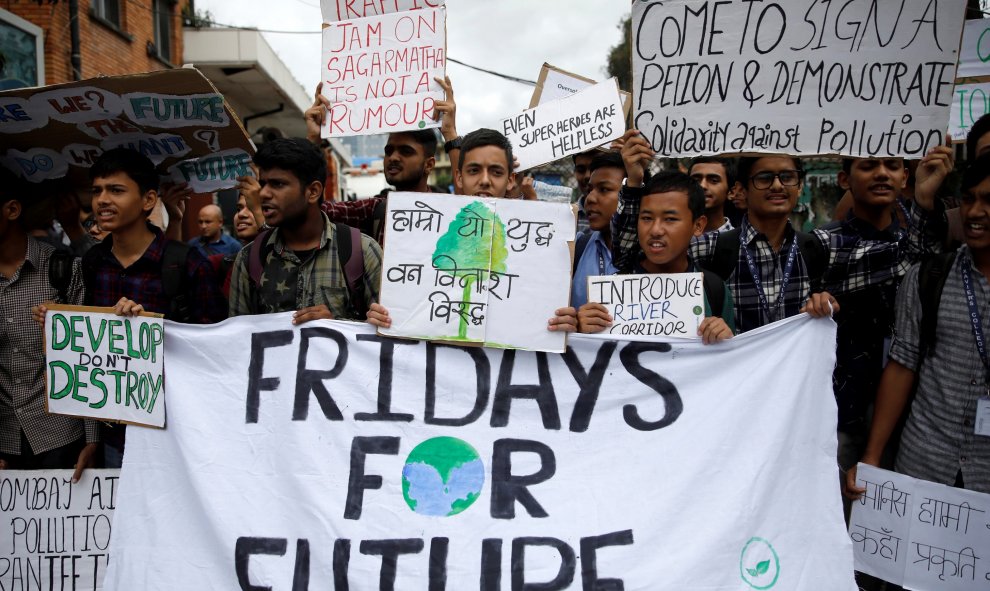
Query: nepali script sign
x,y
579,122
476,270
867,78
56,535
103,366
668,305
378,71
919,534
348,460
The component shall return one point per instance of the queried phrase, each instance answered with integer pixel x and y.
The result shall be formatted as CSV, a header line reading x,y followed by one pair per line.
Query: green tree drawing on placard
x,y
479,250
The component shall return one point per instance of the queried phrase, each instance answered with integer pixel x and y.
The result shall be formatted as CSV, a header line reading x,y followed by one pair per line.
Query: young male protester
x,y
717,177
136,268
484,170
305,263
409,160
939,366
671,214
30,438
212,240
582,174
772,270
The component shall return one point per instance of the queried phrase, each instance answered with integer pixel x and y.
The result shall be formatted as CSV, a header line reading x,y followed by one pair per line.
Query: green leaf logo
x,y
762,567
422,124
753,572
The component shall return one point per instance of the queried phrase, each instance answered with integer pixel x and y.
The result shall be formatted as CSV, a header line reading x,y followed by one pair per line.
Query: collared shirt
x,y
288,283
595,260
865,322
939,440
224,245
853,263
107,281
22,359
725,227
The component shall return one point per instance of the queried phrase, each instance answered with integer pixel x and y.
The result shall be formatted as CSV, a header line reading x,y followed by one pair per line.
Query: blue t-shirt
x,y
596,260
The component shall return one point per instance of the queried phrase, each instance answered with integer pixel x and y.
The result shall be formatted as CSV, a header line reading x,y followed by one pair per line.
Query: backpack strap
x,y
257,255
60,273
351,257
378,218
174,282
815,257
726,255
714,291
579,246
931,280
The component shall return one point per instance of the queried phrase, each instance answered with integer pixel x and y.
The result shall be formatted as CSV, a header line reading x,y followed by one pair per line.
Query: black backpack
x,y
931,280
726,256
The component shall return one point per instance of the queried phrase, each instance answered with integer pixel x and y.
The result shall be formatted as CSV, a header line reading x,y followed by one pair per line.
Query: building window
x,y
108,10
22,59
162,19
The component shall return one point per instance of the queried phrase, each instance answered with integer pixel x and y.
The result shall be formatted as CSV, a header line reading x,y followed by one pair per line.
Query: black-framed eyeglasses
x,y
787,178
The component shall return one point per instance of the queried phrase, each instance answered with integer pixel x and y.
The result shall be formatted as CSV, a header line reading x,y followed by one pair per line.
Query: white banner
x,y
975,51
864,79
378,72
326,454
921,535
55,534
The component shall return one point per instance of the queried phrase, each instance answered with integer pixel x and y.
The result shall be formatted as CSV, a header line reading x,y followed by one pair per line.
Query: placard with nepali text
x,y
103,366
328,457
669,305
867,78
919,534
577,123
56,534
176,118
476,270
378,72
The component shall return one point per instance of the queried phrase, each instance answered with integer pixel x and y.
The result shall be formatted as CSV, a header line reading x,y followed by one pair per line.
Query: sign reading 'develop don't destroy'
x,y
584,120
378,71
669,305
858,78
104,366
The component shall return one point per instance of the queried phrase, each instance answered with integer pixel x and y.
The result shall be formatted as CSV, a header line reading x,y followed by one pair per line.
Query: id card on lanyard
x,y
785,280
982,422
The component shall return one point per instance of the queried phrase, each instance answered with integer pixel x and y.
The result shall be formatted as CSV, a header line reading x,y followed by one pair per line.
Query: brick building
x,y
115,36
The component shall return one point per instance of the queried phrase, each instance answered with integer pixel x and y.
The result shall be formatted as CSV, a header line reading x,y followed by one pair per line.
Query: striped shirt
x,y
852,264
288,283
22,359
939,440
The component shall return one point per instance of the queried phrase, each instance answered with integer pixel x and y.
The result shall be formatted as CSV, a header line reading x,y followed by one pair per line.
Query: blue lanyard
x,y
907,219
601,260
974,314
755,272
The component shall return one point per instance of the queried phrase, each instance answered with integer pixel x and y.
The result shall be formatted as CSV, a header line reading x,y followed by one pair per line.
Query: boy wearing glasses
x,y
772,270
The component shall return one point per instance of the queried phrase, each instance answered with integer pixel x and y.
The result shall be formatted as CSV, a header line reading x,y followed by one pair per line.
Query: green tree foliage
x,y
620,57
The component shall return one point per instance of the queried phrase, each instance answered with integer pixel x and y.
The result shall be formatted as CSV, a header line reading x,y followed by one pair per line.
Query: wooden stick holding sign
x,y
103,366
669,305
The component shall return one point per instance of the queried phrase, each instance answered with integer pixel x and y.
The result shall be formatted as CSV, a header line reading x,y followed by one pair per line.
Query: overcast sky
x,y
513,37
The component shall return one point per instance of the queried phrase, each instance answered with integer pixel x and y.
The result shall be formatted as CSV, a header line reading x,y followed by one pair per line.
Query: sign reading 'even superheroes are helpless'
x,y
175,117
378,71
476,270
56,534
105,366
329,457
919,534
859,78
669,305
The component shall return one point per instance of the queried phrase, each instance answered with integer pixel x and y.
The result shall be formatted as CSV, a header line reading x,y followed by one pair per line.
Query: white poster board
x,y
969,103
378,72
872,79
919,534
342,10
476,270
670,305
103,366
612,465
577,123
56,535
555,83
974,55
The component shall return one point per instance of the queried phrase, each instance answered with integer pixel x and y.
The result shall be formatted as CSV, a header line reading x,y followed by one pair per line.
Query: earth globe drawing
x,y
442,477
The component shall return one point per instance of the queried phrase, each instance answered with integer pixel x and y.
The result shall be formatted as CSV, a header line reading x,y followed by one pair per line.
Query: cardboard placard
x,y
476,270
172,116
872,79
378,72
670,305
969,103
102,366
579,122
555,83
342,10
974,54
